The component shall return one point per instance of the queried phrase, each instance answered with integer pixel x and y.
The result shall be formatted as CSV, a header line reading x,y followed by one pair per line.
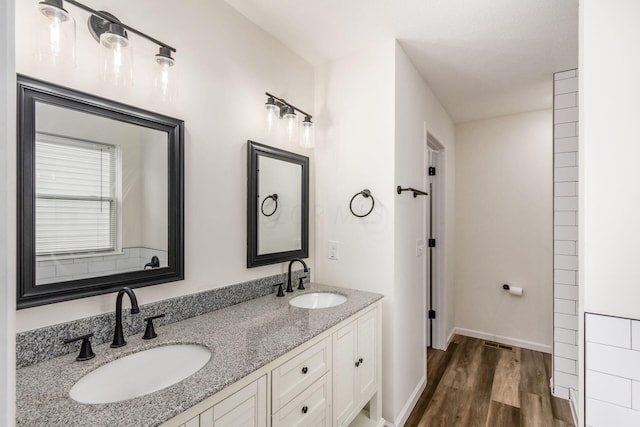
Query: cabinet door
x,y
245,408
367,355
344,371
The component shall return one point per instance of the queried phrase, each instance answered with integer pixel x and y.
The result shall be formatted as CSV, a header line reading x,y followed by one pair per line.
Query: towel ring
x,y
273,197
366,194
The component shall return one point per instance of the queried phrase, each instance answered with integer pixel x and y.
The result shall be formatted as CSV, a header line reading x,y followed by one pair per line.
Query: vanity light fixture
x,y
58,41
279,108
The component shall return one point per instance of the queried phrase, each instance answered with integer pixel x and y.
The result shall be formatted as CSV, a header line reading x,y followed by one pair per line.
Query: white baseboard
x,y
450,337
503,340
408,407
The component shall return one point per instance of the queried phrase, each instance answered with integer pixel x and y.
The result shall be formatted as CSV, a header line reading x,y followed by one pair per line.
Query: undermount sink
x,y
318,300
140,373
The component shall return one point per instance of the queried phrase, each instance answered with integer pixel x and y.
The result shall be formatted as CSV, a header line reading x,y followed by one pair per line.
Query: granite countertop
x,y
243,338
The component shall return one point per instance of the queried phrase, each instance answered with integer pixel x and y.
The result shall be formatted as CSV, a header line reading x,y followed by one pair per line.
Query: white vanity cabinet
x,y
355,368
326,382
246,407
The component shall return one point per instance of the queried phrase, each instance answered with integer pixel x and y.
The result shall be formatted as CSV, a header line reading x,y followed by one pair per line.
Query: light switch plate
x,y
332,252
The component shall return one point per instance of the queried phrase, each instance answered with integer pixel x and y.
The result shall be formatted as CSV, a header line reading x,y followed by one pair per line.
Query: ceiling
x,y
482,58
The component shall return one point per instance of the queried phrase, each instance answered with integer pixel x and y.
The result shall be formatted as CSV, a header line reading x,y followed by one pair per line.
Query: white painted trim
x,y
504,340
573,404
7,213
411,403
450,337
439,285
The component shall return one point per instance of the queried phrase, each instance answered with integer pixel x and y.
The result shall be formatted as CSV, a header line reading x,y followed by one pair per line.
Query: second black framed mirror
x,y
277,205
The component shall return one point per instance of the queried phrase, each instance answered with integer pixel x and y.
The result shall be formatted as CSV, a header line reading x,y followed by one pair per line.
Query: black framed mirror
x,y
277,205
100,195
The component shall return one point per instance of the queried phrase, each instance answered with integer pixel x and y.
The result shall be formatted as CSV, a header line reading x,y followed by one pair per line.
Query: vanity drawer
x,y
299,372
309,409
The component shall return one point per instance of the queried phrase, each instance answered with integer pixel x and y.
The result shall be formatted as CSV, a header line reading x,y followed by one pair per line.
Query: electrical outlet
x,y
333,250
419,247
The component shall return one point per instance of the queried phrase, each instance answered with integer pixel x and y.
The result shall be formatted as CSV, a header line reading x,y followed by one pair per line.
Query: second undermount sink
x,y
140,373
318,300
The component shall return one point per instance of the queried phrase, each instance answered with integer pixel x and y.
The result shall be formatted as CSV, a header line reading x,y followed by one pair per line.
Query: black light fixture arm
x,y
282,101
125,26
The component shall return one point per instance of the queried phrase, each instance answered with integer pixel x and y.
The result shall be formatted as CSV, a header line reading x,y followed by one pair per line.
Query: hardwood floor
x,y
479,386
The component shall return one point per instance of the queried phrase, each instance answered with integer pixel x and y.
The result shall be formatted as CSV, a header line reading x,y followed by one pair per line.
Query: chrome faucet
x,y
306,270
118,336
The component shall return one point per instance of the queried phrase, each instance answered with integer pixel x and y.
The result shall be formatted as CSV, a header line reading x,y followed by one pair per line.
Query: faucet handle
x,y
280,292
150,331
86,352
301,283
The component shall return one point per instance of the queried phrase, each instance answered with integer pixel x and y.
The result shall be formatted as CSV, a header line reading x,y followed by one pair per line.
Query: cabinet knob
x,y
305,370
357,363
305,409
361,360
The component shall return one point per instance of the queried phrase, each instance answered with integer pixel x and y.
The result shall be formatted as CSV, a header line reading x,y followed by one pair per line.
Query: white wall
x,y
416,105
354,150
371,113
225,65
7,214
609,208
609,69
504,216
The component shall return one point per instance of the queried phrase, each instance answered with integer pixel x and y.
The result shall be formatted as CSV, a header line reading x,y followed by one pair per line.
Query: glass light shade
x,y
307,139
291,119
165,76
116,57
272,115
56,34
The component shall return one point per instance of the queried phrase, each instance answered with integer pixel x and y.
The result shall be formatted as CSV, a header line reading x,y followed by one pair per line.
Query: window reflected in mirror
x,y
101,195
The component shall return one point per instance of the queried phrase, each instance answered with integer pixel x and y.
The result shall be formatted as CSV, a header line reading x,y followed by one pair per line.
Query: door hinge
x,y
432,314
432,171
432,243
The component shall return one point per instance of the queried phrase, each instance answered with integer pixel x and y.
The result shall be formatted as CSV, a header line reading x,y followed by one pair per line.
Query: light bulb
x,y
165,74
273,113
116,56
307,140
292,124
56,34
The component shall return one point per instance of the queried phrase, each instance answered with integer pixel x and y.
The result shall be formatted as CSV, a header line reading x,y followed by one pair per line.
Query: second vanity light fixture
x,y
278,108
57,43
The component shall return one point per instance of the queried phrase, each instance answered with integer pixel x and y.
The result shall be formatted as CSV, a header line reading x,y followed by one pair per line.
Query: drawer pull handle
x,y
305,409
305,370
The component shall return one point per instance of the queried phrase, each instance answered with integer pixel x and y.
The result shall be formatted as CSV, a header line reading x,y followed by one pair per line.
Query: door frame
x,y
437,199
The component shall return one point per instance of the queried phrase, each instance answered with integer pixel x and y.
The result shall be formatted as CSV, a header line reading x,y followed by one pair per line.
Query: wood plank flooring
x,y
479,386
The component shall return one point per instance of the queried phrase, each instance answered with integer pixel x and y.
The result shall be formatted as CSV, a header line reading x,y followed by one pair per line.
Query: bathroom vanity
x,y
272,364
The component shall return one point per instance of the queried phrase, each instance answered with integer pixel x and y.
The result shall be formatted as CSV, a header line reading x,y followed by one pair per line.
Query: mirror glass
x,y
100,195
277,205
279,213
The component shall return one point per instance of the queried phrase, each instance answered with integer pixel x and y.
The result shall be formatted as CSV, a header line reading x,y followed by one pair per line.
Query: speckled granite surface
x,y
45,343
243,338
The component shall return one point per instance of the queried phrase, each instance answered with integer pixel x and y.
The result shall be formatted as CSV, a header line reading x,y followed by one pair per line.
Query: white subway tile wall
x,y
565,232
612,358
131,259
